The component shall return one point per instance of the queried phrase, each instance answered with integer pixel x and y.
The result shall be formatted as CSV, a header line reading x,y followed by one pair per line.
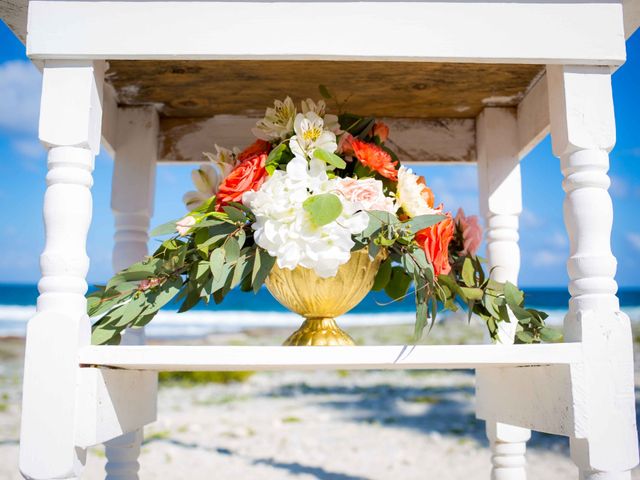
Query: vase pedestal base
x,y
319,332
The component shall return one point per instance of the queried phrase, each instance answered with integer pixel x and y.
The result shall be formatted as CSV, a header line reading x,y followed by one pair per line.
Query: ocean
x,y
241,311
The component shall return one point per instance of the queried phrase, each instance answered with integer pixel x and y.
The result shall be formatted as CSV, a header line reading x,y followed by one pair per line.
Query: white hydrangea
x,y
284,229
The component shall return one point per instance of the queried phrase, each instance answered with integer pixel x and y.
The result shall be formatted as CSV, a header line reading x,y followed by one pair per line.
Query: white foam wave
x,y
197,323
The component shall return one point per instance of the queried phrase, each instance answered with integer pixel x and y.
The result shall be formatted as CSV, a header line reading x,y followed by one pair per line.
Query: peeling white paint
x,y
498,101
416,141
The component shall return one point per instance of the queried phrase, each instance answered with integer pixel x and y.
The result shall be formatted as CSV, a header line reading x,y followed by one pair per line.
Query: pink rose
x,y
184,225
471,232
367,194
344,144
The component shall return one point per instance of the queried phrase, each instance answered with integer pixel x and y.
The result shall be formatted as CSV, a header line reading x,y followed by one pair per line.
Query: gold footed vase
x,y
320,300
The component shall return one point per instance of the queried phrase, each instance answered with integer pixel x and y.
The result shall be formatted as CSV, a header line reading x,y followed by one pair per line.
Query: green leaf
x,y
232,249
489,305
143,320
383,276
423,221
420,258
324,91
276,157
164,229
242,237
521,314
408,264
472,293
193,298
524,336
216,262
235,215
329,158
105,335
373,249
513,295
240,270
468,273
548,334
422,314
398,283
102,301
158,297
323,208
262,265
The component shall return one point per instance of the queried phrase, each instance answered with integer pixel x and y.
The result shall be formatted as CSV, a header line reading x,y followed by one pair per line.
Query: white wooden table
x,y
471,81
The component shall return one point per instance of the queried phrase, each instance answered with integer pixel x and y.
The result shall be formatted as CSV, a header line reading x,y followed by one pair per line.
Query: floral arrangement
x,y
310,190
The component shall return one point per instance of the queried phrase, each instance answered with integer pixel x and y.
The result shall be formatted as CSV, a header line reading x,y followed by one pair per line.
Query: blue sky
x,y
543,239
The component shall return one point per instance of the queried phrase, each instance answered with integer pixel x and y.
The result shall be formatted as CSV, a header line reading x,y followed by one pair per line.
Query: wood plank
x,y
449,140
229,358
571,32
385,89
533,116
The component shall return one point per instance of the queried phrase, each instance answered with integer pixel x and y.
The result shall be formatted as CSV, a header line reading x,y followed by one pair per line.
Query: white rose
x,y
413,195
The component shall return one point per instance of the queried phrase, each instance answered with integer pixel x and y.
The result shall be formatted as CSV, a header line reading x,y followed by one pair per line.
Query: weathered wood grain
x,y
387,89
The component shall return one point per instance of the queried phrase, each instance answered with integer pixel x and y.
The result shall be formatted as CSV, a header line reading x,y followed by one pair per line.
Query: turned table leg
x,y
132,204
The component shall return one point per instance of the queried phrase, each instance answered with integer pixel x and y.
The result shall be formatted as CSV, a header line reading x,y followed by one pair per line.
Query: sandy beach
x,y
320,425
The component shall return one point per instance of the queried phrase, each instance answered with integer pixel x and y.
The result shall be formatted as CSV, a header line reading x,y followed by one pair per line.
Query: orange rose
x,y
381,130
435,243
375,158
247,176
256,148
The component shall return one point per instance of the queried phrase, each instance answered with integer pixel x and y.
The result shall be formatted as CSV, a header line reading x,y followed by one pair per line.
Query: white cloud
x,y
619,187
557,239
456,186
29,153
548,258
28,148
634,240
20,85
530,219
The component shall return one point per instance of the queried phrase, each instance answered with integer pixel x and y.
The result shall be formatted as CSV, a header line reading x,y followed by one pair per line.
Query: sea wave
x,y
198,323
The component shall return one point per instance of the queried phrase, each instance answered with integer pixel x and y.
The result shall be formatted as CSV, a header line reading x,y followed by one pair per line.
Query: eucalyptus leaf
x,y
235,215
524,336
548,334
105,335
323,208
262,265
164,229
383,276
423,221
329,158
193,298
513,295
472,293
158,297
216,262
398,283
241,269
468,273
422,313
232,249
